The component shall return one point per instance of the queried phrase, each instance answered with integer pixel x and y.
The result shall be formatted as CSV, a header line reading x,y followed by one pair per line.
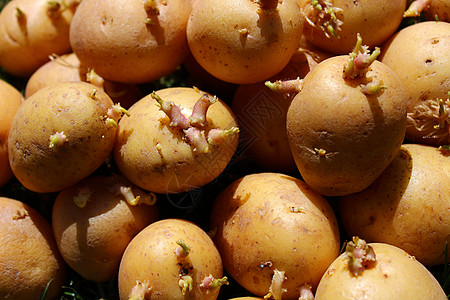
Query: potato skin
x,y
10,100
65,107
26,43
256,226
396,275
360,133
219,46
407,206
93,238
418,54
176,166
29,258
137,52
151,257
374,20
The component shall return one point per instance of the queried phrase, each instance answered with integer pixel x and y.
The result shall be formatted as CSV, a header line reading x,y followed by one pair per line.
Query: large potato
x,y
270,222
407,206
60,135
29,258
10,100
341,137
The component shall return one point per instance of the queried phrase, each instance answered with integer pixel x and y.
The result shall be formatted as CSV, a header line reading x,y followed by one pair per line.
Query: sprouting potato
x,y
61,134
175,140
347,123
275,234
377,271
94,220
171,259
31,30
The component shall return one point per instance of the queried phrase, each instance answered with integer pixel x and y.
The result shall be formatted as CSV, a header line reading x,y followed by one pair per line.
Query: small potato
x,y
269,223
10,100
30,31
171,259
29,258
60,135
94,220
394,274
407,206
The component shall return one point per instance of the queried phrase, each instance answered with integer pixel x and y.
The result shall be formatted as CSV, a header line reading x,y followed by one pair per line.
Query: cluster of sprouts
x,y
194,126
322,14
360,256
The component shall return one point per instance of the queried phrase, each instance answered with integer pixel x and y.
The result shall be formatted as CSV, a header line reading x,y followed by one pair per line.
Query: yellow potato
x,y
155,265
159,157
395,275
93,235
269,221
29,258
30,31
407,206
60,135
10,100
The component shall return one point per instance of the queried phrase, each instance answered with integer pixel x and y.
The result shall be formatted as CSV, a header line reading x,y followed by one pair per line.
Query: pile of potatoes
x,y
209,149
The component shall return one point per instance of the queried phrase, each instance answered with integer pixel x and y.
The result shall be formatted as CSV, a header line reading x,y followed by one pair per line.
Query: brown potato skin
x,y
215,42
93,238
151,256
418,54
10,100
137,52
66,107
360,133
28,252
407,206
254,224
375,21
176,167
25,44
396,275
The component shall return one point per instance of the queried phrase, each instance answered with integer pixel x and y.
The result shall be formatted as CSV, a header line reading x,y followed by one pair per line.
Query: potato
x,y
152,44
249,45
342,135
407,206
376,21
30,31
268,223
171,259
60,135
94,220
67,68
393,275
10,100
29,258
418,54
156,154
